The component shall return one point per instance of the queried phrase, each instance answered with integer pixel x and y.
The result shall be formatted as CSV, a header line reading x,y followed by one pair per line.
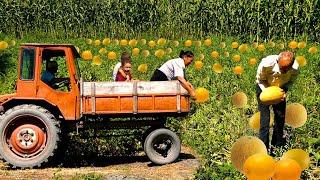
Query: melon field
x,y
225,67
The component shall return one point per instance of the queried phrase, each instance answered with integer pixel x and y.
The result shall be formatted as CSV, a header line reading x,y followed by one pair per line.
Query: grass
x,y
214,126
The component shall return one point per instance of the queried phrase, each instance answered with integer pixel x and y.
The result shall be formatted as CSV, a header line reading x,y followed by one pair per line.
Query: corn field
x,y
168,18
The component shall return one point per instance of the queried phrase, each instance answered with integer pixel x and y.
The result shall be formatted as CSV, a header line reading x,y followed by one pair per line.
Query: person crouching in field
x,y
274,70
174,70
122,70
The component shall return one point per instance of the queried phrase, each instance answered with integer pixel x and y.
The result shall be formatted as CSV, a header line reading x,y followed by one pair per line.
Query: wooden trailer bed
x,y
107,98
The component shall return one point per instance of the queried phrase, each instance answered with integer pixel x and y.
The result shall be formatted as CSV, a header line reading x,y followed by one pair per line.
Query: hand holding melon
x,y
272,95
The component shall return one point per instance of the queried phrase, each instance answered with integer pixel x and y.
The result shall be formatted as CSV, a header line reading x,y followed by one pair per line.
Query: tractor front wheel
x,y
29,135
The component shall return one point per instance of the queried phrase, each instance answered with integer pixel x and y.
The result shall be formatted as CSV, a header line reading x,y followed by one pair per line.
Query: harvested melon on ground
x,y
299,155
259,166
239,99
254,121
202,95
245,147
287,169
271,95
296,115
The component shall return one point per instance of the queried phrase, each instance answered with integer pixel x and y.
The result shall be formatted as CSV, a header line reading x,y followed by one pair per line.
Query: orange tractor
x,y
31,119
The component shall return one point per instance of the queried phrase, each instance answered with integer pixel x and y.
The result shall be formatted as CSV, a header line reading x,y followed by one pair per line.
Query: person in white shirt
x,y
124,58
174,70
274,70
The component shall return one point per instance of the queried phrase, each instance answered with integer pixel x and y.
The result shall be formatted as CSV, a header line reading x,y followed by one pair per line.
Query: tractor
x,y
33,118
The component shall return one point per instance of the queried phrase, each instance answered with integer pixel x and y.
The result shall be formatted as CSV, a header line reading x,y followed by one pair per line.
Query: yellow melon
x,y
299,155
188,43
162,41
201,57
168,51
254,121
3,45
261,48
239,99
238,70
243,48
296,115
202,95
135,51
123,42
89,41
143,41
271,95
197,43
159,53
281,46
226,54
287,169
112,55
12,43
198,65
302,45
234,45
245,147
255,45
236,58
106,41
301,61
217,68
214,54
102,51
207,42
145,53
97,42
96,60
222,45
143,68
133,42
176,43
293,44
313,50
259,166
86,55
152,43
252,61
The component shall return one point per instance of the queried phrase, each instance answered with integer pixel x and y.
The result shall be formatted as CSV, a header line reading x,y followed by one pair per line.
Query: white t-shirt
x,y
173,68
115,70
269,74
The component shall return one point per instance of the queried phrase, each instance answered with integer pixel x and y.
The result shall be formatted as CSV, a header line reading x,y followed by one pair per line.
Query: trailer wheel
x,y
162,146
29,135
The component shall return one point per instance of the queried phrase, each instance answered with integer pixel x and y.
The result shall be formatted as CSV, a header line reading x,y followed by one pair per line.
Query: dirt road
x,y
137,167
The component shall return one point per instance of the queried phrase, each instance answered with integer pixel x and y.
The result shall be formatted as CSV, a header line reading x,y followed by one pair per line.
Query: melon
x,y
271,95
245,147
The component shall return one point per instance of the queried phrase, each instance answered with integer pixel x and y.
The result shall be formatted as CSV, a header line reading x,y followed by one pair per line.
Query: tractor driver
x,y
48,76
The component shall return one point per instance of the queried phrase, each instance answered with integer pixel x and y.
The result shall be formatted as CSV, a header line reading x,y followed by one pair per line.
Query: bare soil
x,y
118,168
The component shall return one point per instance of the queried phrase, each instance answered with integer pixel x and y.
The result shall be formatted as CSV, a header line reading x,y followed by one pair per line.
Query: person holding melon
x,y
274,74
174,70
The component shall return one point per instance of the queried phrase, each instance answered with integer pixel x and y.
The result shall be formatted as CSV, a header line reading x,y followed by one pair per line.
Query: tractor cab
x,y
50,72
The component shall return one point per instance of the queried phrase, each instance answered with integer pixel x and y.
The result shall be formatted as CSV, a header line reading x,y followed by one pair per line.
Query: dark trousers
x,y
279,118
158,76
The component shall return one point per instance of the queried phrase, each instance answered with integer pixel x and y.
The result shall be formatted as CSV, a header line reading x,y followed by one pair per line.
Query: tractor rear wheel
x,y
162,146
29,135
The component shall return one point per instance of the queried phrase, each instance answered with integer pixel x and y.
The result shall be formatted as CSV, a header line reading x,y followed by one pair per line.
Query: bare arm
x,y
187,86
